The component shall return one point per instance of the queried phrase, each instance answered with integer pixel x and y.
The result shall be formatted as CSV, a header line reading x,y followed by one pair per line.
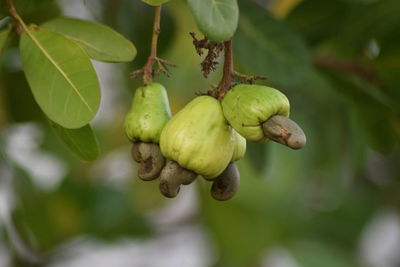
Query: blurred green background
x,y
335,203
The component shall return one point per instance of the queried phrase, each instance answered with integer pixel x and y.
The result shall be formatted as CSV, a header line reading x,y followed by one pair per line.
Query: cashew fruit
x,y
247,107
285,131
148,115
172,177
150,158
199,138
226,184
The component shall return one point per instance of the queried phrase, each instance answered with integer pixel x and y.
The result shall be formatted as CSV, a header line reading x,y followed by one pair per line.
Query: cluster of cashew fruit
x,y
207,136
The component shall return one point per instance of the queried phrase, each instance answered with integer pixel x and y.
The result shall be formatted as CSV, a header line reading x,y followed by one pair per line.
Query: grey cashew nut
x,y
151,161
172,177
285,131
226,184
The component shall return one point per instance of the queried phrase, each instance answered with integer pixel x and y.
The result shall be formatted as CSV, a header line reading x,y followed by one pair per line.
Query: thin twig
x,y
248,79
226,81
229,74
17,21
162,65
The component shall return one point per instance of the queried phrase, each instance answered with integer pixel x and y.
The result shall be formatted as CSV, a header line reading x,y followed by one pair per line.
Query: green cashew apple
x,y
148,115
199,138
260,113
143,125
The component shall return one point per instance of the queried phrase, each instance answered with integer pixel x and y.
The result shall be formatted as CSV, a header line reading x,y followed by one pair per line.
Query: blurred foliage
x,y
339,64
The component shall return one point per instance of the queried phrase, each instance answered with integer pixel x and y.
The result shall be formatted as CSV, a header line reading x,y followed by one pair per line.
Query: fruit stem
x,y
226,81
148,70
18,24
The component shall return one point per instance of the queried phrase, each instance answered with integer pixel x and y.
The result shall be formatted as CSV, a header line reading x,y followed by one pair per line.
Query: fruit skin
x,y
199,138
148,115
240,146
247,106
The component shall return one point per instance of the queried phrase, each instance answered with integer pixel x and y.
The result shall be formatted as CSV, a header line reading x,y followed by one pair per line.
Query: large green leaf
x,y
155,2
217,19
82,142
267,46
100,42
61,76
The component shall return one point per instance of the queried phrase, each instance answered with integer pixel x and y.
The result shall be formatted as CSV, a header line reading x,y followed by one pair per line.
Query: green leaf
x,y
101,42
155,2
81,142
266,46
3,38
217,19
61,76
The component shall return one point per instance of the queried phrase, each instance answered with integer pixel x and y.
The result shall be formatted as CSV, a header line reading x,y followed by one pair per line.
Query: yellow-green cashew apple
x,y
259,113
199,138
143,125
148,114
